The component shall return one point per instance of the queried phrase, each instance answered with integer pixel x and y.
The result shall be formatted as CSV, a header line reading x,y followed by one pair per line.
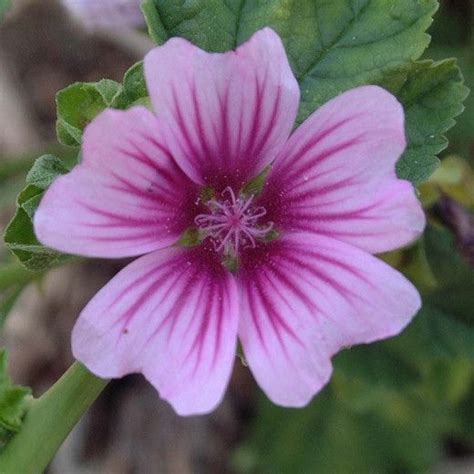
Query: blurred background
x,y
401,406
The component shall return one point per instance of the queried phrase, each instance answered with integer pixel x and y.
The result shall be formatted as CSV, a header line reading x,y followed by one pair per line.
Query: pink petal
x,y
171,315
127,197
336,175
305,297
228,114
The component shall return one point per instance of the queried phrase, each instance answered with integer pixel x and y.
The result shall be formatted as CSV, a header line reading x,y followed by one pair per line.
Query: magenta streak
x,y
153,197
134,284
348,268
145,295
225,296
314,307
275,319
174,312
132,222
254,314
200,337
321,191
299,154
174,177
255,127
330,232
184,129
274,115
138,155
349,215
200,122
150,196
225,137
158,145
343,291
290,285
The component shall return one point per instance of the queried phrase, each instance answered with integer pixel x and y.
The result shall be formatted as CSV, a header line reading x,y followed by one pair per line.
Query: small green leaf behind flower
x,y
79,104
13,403
19,235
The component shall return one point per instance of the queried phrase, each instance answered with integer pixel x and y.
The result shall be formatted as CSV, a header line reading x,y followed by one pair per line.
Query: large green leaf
x,y
328,437
19,235
334,46
432,95
13,403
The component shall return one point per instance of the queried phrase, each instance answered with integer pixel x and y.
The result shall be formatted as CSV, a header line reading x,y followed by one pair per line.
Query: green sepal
x,y
78,104
19,235
133,90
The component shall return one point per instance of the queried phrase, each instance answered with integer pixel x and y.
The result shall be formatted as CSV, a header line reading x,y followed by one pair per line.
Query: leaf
x,y
432,95
335,46
332,46
13,403
79,104
328,437
134,88
19,235
376,366
455,293
7,302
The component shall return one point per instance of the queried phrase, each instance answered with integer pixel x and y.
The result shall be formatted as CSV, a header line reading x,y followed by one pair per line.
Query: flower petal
x,y
127,197
171,315
336,175
305,297
228,114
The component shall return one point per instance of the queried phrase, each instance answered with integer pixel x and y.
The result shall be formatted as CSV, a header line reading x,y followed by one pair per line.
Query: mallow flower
x,y
244,229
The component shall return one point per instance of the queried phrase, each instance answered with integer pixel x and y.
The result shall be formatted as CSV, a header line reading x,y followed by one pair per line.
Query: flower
x,y
106,13
287,268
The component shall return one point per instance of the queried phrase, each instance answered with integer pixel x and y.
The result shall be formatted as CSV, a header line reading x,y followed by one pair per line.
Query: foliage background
x,y
401,406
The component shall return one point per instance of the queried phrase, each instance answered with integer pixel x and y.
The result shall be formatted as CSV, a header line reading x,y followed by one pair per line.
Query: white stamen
x,y
232,222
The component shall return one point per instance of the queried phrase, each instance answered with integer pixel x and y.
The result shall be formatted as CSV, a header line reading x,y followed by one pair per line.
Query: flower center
x,y
233,223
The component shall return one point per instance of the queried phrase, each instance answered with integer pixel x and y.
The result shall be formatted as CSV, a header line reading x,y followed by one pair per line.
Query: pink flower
x,y
288,271
107,13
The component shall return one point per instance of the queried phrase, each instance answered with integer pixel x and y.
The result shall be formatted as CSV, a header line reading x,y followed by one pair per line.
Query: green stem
x,y
14,273
49,420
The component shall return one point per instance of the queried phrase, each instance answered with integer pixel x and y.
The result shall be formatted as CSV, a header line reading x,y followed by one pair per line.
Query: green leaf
x,y
432,95
455,293
376,366
328,437
7,302
19,235
13,403
79,104
134,90
334,46
444,329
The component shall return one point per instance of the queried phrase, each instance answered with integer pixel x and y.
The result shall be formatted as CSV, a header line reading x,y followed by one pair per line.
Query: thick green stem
x,y
15,274
49,420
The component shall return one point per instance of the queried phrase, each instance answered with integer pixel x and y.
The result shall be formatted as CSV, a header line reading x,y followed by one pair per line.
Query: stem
x,y
14,273
49,420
